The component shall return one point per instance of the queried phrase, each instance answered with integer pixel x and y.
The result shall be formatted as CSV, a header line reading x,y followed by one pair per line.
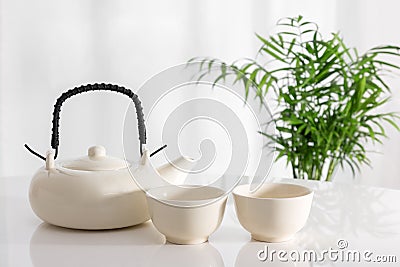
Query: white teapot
x,y
96,191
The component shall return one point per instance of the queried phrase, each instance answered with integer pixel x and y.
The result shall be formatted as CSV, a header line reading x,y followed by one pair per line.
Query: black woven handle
x,y
88,88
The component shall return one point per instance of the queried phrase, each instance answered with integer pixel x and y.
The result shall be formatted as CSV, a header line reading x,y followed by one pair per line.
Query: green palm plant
x,y
328,96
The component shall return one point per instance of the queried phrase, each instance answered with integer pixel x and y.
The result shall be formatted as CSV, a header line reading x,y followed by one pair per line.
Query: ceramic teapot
x,y
96,191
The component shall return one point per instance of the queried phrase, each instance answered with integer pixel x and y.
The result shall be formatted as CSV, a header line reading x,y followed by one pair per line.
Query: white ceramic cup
x,y
186,215
275,212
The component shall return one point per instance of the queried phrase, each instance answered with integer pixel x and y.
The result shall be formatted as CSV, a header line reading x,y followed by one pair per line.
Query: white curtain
x,y
47,47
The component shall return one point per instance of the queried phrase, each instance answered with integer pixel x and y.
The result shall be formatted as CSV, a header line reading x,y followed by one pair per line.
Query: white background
x,y
47,47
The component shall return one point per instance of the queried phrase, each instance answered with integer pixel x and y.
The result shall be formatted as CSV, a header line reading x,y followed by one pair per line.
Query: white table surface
x,y
367,218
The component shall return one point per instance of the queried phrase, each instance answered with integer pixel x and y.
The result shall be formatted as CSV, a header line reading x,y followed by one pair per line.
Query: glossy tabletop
x,y
348,226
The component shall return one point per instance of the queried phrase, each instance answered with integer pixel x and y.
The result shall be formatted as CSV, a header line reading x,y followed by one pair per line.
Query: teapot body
x,y
87,199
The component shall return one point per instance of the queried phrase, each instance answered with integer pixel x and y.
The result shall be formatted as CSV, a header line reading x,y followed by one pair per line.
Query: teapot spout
x,y
177,170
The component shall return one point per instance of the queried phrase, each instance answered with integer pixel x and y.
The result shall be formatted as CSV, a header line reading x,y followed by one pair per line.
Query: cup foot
x,y
180,241
271,239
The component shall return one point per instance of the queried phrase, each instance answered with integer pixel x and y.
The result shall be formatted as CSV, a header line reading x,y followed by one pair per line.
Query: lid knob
x,y
96,152
96,160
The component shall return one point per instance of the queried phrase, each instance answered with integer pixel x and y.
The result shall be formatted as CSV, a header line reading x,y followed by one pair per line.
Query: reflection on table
x,y
140,245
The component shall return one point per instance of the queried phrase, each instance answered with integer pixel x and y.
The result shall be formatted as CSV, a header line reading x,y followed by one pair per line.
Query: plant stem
x,y
330,171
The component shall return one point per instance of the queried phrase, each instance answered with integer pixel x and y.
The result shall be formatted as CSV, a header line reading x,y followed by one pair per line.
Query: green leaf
x,y
283,129
273,54
391,122
384,63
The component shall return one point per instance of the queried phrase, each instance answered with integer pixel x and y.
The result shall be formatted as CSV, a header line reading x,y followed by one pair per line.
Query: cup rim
x,y
249,195
195,203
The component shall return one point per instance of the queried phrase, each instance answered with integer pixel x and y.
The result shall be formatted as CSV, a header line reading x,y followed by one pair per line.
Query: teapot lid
x,y
96,160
